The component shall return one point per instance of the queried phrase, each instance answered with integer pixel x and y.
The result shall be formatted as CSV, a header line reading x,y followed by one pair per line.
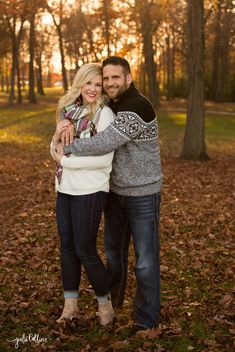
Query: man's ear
x,y
129,79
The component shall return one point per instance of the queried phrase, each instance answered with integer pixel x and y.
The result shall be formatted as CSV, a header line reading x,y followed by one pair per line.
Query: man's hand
x,y
60,149
57,158
67,135
58,153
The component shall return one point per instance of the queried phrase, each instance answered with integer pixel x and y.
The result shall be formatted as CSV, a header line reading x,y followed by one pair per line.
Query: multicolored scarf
x,y
83,126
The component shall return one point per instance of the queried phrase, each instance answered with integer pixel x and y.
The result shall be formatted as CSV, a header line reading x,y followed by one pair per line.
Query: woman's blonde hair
x,y
83,75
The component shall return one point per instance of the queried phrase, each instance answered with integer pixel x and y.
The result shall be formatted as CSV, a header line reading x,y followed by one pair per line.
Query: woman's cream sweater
x,y
89,174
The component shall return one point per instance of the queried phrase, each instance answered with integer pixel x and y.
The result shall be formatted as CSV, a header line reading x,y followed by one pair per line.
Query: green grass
x,y
219,131
34,123
27,127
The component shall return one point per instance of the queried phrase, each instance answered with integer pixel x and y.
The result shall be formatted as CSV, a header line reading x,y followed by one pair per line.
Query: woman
x,y
82,184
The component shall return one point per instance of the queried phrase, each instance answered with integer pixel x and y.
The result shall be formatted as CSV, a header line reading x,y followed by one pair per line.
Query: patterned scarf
x,y
83,126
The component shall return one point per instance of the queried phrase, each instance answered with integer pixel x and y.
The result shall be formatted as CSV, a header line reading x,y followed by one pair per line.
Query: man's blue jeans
x,y
78,219
140,216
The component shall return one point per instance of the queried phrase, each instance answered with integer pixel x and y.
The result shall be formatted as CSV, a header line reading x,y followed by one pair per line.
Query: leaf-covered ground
x,y
197,238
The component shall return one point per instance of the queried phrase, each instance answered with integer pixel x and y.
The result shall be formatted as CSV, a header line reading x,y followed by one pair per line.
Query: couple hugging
x,y
108,160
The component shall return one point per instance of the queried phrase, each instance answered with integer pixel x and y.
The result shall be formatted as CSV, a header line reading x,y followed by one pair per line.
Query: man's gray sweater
x,y
136,169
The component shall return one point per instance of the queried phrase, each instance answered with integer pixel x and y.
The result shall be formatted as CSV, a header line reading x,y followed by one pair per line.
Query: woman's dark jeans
x,y
78,219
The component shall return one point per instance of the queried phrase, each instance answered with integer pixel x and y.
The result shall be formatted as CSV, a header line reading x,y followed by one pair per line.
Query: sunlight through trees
x,y
44,44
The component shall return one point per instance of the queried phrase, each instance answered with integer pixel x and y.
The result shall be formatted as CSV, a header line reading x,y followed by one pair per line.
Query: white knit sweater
x,y
89,174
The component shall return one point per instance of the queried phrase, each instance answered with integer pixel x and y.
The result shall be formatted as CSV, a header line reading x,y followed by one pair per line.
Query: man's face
x,y
115,81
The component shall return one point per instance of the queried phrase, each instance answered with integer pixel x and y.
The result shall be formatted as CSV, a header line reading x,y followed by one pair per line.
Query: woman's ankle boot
x,y
105,313
70,310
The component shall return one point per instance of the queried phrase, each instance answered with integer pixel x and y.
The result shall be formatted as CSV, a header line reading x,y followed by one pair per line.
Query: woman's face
x,y
92,90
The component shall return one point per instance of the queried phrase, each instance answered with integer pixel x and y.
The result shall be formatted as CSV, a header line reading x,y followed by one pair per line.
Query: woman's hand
x,y
61,126
67,135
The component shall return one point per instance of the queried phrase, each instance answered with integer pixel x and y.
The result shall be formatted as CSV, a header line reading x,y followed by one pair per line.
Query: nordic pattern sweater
x,y
136,169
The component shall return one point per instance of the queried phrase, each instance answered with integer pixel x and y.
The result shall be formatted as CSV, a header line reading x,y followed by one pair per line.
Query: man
x,y
135,185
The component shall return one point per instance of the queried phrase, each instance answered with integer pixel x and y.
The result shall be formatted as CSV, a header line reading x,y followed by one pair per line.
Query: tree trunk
x,y
32,96
146,29
164,73
2,82
194,140
184,65
40,89
7,79
168,55
19,99
2,77
49,80
160,68
215,81
143,83
106,4
15,43
90,37
223,71
225,49
64,75
173,66
61,46
151,70
23,85
13,70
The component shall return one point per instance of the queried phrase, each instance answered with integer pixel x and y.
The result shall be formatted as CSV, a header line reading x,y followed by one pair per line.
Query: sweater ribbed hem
x,y
137,191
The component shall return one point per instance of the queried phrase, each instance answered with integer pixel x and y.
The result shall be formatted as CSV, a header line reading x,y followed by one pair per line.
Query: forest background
x,y
182,57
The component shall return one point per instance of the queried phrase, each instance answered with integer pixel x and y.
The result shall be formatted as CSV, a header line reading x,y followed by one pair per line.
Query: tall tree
x,y
15,14
57,14
34,9
223,32
149,14
88,23
106,7
73,34
5,49
38,60
32,95
216,86
171,46
194,140
170,39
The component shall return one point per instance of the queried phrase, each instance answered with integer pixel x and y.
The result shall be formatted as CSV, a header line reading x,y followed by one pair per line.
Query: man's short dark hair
x,y
117,60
